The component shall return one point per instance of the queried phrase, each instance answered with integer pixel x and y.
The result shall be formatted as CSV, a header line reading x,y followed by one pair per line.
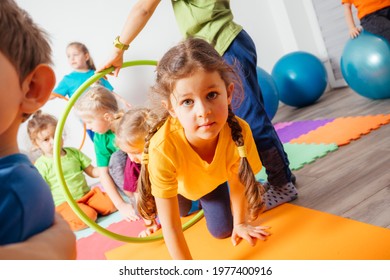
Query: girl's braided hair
x,y
180,62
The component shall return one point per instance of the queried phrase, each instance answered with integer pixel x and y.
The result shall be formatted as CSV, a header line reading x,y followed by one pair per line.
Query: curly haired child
x,y
93,202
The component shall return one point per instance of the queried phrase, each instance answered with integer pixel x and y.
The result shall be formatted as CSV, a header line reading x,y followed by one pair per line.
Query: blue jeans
x,y
271,151
217,211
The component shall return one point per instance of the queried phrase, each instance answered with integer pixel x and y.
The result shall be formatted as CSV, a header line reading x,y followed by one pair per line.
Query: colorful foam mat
x,y
297,233
301,154
95,245
104,221
304,142
343,130
280,125
295,129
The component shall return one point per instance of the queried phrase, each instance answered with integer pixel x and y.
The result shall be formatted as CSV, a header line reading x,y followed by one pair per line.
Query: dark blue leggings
x,y
269,146
217,211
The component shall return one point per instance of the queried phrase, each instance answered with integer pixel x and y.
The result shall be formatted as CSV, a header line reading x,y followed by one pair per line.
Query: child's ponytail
x,y
254,190
97,98
146,204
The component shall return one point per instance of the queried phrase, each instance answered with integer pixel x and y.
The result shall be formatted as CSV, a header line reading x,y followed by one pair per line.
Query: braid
x,y
146,204
235,127
253,189
150,118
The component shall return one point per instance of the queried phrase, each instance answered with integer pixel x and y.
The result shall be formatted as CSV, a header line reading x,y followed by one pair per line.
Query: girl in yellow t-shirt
x,y
197,148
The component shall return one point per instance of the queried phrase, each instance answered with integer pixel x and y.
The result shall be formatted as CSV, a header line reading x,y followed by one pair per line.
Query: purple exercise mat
x,y
280,125
298,128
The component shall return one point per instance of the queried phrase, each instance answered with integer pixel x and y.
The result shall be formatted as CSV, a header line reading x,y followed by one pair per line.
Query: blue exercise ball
x,y
365,65
269,92
301,78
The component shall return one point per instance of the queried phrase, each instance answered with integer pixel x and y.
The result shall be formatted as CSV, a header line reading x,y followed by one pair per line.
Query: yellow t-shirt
x,y
365,7
174,167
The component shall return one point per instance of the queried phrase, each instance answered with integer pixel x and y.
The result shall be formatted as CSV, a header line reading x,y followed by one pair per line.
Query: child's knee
x,y
101,202
221,232
77,225
89,211
75,221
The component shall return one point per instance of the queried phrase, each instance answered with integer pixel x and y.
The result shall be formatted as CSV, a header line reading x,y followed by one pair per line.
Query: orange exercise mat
x,y
343,130
298,233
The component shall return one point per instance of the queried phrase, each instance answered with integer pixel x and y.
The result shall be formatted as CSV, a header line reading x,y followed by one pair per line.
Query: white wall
x,y
277,27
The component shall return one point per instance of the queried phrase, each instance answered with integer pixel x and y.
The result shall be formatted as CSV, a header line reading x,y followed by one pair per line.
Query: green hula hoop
x,y
58,166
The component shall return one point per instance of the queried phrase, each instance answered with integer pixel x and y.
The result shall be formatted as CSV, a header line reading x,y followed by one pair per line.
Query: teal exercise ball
x,y
365,65
269,91
301,78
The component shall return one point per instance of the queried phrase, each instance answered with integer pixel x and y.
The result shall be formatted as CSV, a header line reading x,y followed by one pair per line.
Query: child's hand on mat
x,y
151,227
128,212
249,233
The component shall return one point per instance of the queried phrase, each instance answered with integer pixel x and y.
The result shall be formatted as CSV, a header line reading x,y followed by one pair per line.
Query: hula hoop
x,y
60,176
85,127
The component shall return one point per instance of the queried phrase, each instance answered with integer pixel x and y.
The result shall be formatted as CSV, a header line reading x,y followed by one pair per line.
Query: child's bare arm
x,y
168,210
92,171
241,228
238,201
126,209
353,30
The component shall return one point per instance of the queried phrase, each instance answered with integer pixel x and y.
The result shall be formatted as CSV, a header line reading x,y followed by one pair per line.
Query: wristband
x,y
120,45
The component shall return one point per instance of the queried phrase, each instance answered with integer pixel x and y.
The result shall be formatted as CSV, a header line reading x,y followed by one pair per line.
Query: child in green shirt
x,y
41,130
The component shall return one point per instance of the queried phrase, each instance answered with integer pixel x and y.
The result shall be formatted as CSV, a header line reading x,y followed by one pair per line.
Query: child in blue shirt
x,y
26,81
84,68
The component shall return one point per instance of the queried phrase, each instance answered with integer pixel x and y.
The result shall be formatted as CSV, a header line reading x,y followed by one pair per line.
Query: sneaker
x,y
267,185
275,196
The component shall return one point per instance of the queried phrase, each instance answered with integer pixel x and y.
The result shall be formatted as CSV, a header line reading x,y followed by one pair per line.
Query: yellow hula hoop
x,y
58,166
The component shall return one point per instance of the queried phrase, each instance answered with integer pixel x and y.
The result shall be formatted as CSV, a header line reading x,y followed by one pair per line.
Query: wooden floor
x,y
354,181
